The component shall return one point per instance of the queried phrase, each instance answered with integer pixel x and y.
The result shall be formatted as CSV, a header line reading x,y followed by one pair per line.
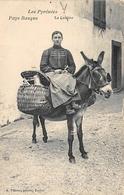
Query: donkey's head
x,y
100,80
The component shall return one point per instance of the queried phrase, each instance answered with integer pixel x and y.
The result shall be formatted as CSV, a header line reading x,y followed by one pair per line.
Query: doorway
x,y
116,65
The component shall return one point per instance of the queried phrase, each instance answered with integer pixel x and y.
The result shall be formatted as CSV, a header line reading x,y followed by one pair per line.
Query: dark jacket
x,y
57,57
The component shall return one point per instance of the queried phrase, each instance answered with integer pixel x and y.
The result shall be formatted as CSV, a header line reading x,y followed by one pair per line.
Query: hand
x,y
65,71
59,71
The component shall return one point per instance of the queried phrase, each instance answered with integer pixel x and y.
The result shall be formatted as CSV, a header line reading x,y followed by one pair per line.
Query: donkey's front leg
x,y
78,122
45,137
70,138
35,123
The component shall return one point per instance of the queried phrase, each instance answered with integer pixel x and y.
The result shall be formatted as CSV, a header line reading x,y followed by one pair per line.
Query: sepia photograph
x,y
62,97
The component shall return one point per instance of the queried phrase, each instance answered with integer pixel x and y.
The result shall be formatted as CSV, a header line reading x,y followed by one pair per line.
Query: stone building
x,y
105,19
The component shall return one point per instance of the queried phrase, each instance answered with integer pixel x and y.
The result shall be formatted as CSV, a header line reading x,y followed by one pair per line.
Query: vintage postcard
x,y
62,97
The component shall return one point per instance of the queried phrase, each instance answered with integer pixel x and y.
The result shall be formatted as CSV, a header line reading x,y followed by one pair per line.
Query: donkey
x,y
91,79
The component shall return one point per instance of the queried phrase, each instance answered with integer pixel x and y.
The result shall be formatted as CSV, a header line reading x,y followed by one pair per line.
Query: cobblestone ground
x,y
44,169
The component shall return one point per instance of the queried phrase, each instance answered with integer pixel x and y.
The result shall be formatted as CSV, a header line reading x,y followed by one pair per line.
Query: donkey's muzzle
x,y
107,94
106,91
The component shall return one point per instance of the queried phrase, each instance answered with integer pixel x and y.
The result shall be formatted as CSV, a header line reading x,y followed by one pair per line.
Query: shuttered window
x,y
99,13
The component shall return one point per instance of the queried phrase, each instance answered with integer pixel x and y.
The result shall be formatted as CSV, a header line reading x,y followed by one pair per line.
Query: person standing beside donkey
x,y
58,64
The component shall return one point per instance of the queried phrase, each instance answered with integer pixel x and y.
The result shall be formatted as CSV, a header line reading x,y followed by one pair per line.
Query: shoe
x,y
69,110
76,106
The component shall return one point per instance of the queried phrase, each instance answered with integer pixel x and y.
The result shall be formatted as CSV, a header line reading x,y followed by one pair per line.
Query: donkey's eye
x,y
97,75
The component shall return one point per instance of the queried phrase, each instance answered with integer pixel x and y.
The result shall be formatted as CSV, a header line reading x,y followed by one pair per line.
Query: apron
x,y
62,87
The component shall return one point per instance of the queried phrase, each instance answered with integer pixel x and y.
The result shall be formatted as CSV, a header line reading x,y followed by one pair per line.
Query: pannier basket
x,y
33,99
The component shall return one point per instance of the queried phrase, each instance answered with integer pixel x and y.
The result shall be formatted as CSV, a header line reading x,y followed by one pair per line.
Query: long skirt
x,y
62,87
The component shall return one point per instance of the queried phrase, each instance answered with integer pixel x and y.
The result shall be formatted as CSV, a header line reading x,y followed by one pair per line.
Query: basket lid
x,y
31,73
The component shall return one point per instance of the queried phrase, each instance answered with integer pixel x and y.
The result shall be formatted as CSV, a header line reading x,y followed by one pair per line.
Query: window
x,y
99,13
116,65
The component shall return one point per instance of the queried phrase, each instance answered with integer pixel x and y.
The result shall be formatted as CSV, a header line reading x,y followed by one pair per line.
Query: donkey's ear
x,y
86,59
100,58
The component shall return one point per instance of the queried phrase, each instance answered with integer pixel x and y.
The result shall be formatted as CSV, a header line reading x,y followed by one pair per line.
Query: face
x,y
102,79
57,39
100,76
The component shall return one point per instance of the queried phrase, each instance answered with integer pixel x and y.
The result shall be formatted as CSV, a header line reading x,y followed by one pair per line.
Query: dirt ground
x,y
43,168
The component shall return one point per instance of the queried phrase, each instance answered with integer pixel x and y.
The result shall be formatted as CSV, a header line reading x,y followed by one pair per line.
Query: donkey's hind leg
x,y
35,123
45,137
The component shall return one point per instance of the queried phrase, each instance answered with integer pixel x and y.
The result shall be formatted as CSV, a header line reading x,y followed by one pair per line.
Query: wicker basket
x,y
33,99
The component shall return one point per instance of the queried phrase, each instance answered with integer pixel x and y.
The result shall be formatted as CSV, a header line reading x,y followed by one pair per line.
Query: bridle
x,y
96,87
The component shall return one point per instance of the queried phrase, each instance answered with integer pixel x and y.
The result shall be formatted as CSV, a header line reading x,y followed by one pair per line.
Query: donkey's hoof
x,y
45,139
72,160
84,155
34,141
